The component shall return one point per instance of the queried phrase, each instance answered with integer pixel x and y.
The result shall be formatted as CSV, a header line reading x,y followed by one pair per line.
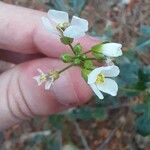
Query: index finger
x,y
21,30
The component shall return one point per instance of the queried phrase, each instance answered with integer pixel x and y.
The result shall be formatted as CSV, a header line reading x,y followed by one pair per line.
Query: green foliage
x,y
77,6
143,78
143,42
89,113
56,121
143,120
74,6
58,5
54,142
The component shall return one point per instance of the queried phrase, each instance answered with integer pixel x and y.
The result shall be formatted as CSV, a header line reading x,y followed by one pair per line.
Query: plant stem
x,y
91,59
62,70
80,133
71,47
87,52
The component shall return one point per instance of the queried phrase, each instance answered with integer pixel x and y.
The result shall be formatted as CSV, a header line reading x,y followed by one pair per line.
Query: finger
x,y
22,98
21,30
5,66
17,58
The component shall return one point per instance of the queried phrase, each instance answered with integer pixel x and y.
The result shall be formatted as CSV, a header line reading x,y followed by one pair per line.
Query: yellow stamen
x,y
100,78
42,77
62,26
53,74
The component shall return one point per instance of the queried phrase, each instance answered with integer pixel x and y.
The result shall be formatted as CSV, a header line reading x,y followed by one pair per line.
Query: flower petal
x,y
110,71
40,71
109,86
37,78
112,49
80,23
96,91
73,32
58,16
48,26
48,84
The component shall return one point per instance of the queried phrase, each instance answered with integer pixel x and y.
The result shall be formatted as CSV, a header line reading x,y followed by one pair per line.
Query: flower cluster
x,y
48,78
99,78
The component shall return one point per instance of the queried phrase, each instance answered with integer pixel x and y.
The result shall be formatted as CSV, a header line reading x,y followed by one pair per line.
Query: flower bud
x,y
85,73
77,49
83,56
77,61
97,48
88,64
66,57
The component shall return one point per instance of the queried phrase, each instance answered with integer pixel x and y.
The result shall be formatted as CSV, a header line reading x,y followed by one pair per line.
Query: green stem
x,y
87,52
71,47
91,59
62,70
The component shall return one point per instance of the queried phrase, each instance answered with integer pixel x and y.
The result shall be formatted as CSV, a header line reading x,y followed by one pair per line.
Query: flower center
x,y
53,74
62,26
43,77
100,78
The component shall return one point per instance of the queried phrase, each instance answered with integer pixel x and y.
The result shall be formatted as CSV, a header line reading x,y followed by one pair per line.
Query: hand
x,y
21,31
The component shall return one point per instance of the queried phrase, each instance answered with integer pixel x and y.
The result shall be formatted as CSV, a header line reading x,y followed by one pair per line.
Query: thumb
x,y
22,98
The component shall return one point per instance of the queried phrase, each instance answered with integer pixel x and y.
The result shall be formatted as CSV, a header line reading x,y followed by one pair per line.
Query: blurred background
x,y
116,123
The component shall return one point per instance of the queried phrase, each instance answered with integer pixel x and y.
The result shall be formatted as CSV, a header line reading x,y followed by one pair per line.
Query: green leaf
x,y
143,42
58,5
56,121
77,6
142,80
89,113
143,120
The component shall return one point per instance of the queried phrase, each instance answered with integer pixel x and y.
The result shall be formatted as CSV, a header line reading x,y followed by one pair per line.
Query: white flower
x,y
40,78
100,80
48,78
111,49
57,23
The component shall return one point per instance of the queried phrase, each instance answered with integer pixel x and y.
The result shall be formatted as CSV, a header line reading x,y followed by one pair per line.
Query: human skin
x,y
20,97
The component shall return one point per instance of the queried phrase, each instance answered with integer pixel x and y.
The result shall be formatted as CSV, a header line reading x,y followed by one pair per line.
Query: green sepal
x,y
77,61
85,73
88,64
83,56
66,40
77,49
97,51
66,57
98,55
97,48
